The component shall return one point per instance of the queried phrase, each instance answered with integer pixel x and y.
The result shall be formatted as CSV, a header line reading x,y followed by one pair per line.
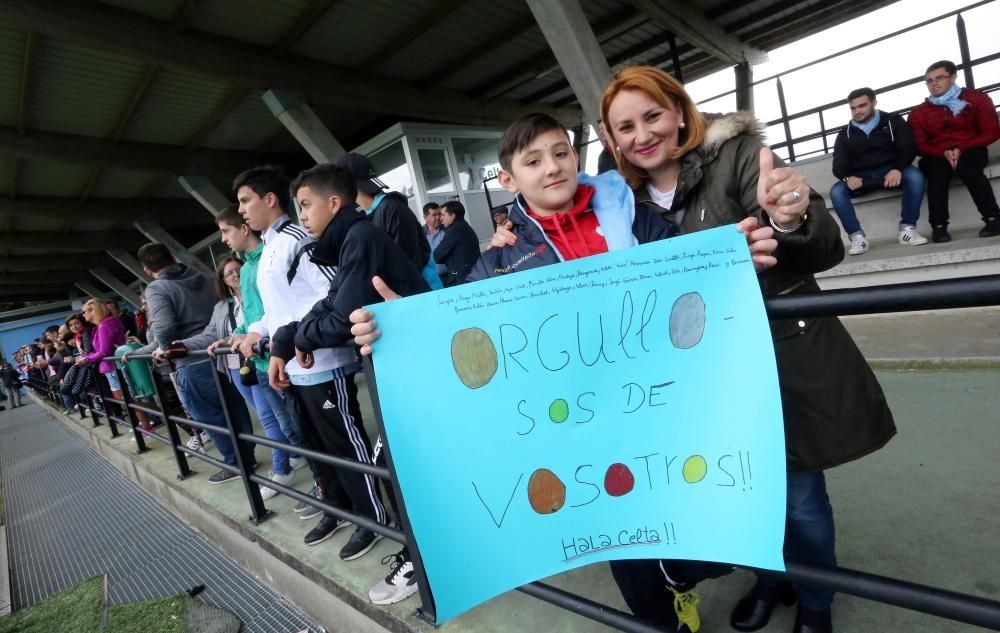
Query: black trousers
x,y
331,423
643,584
970,168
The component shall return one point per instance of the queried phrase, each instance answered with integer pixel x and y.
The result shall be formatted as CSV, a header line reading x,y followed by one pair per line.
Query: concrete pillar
x,y
91,290
157,233
744,86
109,280
206,193
576,49
130,264
299,119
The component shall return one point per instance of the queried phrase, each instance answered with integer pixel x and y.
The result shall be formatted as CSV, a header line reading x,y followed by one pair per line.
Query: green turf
x,y
163,615
76,610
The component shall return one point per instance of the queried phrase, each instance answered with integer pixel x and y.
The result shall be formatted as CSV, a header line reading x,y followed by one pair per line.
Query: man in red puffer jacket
x,y
952,129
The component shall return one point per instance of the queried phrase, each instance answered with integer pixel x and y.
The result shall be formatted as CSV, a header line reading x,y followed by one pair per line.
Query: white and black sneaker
x,y
908,236
399,584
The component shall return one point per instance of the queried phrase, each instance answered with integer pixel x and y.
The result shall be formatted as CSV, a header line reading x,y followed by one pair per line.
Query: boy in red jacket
x,y
952,130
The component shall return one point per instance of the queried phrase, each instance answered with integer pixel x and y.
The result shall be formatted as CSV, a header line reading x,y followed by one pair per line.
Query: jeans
x,y
254,397
291,423
970,171
912,187
196,388
69,400
14,395
809,535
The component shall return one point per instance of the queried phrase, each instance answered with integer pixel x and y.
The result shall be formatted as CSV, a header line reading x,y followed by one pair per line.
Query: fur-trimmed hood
x,y
723,127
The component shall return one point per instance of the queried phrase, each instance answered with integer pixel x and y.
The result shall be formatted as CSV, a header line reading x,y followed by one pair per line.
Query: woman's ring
x,y
796,197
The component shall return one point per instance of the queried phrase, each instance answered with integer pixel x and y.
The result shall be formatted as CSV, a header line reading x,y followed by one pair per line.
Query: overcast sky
x,y
880,64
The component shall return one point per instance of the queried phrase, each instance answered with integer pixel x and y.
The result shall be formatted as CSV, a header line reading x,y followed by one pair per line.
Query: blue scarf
x,y
950,100
869,125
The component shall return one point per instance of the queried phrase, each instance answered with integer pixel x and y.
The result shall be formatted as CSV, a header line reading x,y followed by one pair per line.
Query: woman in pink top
x,y
109,335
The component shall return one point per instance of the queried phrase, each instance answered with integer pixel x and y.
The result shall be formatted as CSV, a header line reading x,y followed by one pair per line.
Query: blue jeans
x,y
809,534
912,187
254,397
196,388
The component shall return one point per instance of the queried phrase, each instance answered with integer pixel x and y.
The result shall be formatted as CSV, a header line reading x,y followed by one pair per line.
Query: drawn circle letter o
x,y
687,320
474,357
546,492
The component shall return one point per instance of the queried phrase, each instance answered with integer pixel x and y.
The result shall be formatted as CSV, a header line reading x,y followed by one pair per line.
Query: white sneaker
x,y
194,443
859,244
297,462
206,439
908,235
400,584
270,493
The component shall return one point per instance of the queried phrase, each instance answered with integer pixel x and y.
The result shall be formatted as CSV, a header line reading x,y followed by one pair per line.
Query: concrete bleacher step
x,y
888,262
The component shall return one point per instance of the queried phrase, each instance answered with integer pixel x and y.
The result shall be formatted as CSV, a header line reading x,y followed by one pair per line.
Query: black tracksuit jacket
x,y
359,250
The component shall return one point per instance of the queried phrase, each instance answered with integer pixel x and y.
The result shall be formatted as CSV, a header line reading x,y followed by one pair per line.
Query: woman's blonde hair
x,y
98,310
669,93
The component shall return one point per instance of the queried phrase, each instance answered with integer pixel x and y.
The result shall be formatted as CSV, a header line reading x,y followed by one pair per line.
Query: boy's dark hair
x,y
326,179
522,131
861,92
430,206
68,336
455,208
155,256
949,67
231,216
263,180
52,328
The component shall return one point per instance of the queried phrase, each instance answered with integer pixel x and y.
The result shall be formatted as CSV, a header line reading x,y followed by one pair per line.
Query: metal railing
x,y
966,65
934,295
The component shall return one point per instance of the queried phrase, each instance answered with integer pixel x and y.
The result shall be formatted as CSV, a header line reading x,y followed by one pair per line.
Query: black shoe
x,y
753,611
813,621
992,228
222,477
360,543
327,527
940,234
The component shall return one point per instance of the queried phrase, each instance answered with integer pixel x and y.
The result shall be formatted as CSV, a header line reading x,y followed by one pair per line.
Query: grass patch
x,y
76,610
163,615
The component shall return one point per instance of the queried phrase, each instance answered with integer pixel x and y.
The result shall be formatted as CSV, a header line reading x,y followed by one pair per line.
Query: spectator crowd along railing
x,y
934,295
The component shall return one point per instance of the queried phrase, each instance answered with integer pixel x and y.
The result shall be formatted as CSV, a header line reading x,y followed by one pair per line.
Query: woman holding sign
x,y
707,171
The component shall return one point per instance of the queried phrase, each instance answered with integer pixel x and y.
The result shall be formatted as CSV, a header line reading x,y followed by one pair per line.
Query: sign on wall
x,y
620,406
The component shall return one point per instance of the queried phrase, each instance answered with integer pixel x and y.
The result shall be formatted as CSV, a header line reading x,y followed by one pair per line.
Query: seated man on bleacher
x,y
953,128
875,151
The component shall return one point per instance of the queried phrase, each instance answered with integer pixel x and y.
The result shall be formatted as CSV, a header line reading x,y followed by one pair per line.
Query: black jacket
x,y
890,143
394,216
458,252
359,251
533,249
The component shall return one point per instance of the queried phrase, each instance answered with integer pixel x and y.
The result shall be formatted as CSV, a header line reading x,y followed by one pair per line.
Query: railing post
x,y
168,408
822,129
675,58
426,610
129,414
784,121
258,512
963,47
95,416
104,392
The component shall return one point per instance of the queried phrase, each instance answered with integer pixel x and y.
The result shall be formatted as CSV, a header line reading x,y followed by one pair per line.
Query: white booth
x,y
430,162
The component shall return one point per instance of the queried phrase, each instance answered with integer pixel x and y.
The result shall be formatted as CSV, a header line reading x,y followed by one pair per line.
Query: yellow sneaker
x,y
686,608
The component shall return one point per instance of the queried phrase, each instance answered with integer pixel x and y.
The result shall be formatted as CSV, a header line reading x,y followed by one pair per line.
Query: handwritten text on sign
x,y
619,406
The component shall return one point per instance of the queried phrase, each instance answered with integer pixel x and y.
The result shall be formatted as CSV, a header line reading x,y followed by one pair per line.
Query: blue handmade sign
x,y
619,406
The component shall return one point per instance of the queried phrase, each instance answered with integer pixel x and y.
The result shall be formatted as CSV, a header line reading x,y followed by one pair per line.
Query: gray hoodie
x,y
180,302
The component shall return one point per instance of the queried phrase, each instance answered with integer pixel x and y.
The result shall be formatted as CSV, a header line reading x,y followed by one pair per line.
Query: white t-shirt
x,y
661,198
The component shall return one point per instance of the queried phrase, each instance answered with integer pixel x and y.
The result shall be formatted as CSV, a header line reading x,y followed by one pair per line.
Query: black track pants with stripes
x,y
331,423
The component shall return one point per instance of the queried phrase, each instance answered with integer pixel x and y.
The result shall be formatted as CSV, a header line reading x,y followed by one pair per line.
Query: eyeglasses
x,y
232,273
936,79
